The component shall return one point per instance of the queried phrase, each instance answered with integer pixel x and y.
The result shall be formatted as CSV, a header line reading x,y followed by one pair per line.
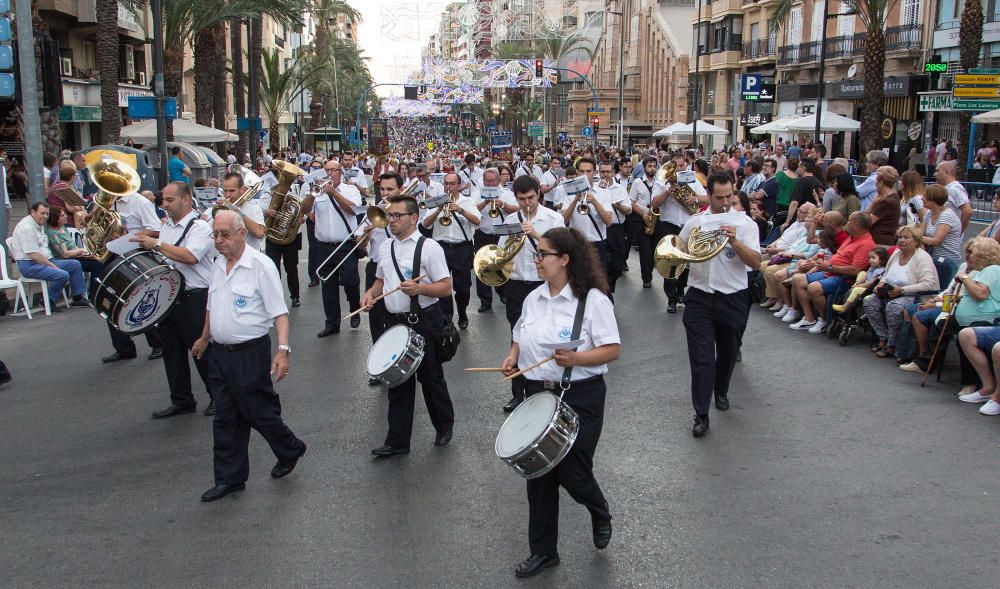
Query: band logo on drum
x,y
145,309
149,304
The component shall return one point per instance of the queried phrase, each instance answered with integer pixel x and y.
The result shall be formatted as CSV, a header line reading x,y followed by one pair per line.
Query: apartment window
x,y
819,9
754,32
736,33
911,13
795,28
720,34
845,24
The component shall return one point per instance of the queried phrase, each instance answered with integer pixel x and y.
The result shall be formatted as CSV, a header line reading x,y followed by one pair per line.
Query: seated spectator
x,y
884,209
30,248
67,174
993,229
780,250
910,271
64,246
976,342
848,201
825,278
877,260
911,202
830,196
942,230
822,248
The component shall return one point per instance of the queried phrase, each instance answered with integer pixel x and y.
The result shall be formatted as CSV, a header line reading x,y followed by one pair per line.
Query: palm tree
x,y
278,89
323,51
873,14
239,80
970,43
108,58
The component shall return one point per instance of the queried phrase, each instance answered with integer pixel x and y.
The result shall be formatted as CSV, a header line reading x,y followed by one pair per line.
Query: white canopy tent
x,y
775,126
703,129
186,131
987,117
666,131
829,122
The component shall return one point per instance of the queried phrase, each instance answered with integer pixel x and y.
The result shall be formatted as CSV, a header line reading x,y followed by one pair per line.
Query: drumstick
x,y
378,298
491,369
523,370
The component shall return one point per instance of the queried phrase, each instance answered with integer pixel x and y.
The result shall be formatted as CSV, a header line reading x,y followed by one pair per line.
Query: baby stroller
x,y
850,316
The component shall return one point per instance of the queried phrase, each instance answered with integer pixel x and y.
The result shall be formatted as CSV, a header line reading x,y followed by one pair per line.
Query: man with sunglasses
x,y
336,220
415,304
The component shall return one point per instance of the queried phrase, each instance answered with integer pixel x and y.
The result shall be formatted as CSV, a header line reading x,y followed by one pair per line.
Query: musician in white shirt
x,y
389,185
641,195
673,215
594,223
353,174
472,176
504,204
456,239
253,216
620,206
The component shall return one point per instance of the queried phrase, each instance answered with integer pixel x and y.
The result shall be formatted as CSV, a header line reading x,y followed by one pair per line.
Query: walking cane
x,y
942,335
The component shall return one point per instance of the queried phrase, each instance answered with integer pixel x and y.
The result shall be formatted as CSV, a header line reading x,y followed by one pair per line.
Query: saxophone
x,y
679,192
282,228
114,179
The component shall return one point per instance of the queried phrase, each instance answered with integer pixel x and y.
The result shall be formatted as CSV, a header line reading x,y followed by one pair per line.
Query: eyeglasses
x,y
539,256
222,234
397,216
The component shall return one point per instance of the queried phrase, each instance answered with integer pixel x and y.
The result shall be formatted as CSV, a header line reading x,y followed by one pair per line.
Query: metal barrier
x,y
981,196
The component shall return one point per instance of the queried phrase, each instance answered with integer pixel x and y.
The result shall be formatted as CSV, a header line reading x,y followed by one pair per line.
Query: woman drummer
x,y
569,266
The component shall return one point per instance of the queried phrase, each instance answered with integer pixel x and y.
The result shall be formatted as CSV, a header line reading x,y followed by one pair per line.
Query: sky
x,y
392,34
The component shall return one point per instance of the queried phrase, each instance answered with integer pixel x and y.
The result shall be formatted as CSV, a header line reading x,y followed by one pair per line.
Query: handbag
x,y
779,259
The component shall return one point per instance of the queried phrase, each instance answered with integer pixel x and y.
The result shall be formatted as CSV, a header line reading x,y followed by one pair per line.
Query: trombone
x,y
375,215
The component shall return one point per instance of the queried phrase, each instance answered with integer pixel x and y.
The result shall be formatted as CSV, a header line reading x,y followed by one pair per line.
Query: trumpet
x,y
316,190
445,217
494,211
583,208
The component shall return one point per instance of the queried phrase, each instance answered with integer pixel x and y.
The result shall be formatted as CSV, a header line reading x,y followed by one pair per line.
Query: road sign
x,y
243,124
587,131
536,129
144,107
984,70
976,80
563,137
978,105
595,111
976,92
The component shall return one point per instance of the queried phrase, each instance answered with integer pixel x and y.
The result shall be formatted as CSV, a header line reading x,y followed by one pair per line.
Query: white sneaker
x,y
990,408
820,327
975,397
782,311
792,316
767,304
910,367
802,324
969,388
776,305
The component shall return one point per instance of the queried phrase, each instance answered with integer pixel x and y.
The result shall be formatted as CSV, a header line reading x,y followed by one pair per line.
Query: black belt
x,y
195,290
536,282
331,242
454,243
242,345
405,316
553,385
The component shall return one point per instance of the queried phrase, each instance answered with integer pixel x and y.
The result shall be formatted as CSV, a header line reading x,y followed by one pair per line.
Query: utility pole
x,y
621,77
161,119
31,128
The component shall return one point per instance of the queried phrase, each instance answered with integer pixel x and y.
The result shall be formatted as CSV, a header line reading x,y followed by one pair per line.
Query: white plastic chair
x,y
44,287
6,282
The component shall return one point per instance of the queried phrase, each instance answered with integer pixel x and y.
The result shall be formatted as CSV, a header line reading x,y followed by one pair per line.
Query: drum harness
x,y
414,315
565,382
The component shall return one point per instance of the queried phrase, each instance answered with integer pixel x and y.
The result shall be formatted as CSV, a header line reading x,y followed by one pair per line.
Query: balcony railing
x,y
902,38
846,46
760,48
804,53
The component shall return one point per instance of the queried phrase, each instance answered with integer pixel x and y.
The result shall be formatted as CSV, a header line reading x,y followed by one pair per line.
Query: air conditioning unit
x,y
66,66
142,78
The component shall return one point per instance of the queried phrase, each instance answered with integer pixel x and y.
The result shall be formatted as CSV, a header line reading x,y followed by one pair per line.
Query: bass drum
x,y
136,291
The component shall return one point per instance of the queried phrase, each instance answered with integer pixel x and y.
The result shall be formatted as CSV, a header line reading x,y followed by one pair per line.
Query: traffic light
x,y
596,124
539,66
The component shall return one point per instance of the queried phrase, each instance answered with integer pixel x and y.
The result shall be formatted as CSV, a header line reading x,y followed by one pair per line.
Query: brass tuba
x,y
494,264
114,179
679,192
672,255
282,228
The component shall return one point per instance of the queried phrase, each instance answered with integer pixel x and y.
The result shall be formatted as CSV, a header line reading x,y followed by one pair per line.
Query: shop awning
x,y
775,126
184,131
703,129
666,131
829,122
987,118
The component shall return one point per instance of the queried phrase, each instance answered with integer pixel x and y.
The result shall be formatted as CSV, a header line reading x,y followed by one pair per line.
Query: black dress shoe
x,y
442,439
602,533
210,410
284,468
534,565
503,300
722,402
647,285
313,283
463,322
220,491
485,309
156,354
372,381
356,322
383,451
79,304
328,331
512,404
295,302
116,357
171,411
671,306
700,426
739,355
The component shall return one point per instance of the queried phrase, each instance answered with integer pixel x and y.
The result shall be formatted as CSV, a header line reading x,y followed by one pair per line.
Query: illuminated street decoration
x,y
485,73
453,95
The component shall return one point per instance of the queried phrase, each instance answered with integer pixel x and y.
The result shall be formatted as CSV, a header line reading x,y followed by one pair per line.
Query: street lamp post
x,y
620,137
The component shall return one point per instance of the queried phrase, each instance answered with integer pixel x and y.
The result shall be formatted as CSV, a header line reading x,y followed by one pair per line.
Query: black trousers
x,y
376,317
240,383
674,289
575,473
634,228
347,276
178,332
313,259
430,373
617,244
484,291
459,258
289,254
712,322
516,292
602,253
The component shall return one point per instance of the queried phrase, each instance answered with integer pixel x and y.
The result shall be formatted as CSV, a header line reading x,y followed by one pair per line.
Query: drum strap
x,y
186,229
414,301
577,327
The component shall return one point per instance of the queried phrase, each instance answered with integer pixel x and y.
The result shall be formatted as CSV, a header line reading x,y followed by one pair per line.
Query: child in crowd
x,y
866,281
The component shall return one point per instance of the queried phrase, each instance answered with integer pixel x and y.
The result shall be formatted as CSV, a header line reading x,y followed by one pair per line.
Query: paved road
x,y
832,469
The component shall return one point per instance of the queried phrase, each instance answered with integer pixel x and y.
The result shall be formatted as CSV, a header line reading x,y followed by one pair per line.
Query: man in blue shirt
x,y
875,159
179,172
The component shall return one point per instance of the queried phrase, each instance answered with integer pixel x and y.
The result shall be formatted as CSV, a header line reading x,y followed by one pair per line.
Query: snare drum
x,y
396,355
137,290
537,435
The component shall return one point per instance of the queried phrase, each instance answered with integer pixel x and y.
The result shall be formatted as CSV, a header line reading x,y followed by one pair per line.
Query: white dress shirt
x,y
506,198
474,177
524,262
376,238
642,192
547,319
614,193
242,304
725,273
199,242
28,237
671,211
251,210
522,169
330,226
137,213
359,180
454,233
433,267
581,222
795,232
